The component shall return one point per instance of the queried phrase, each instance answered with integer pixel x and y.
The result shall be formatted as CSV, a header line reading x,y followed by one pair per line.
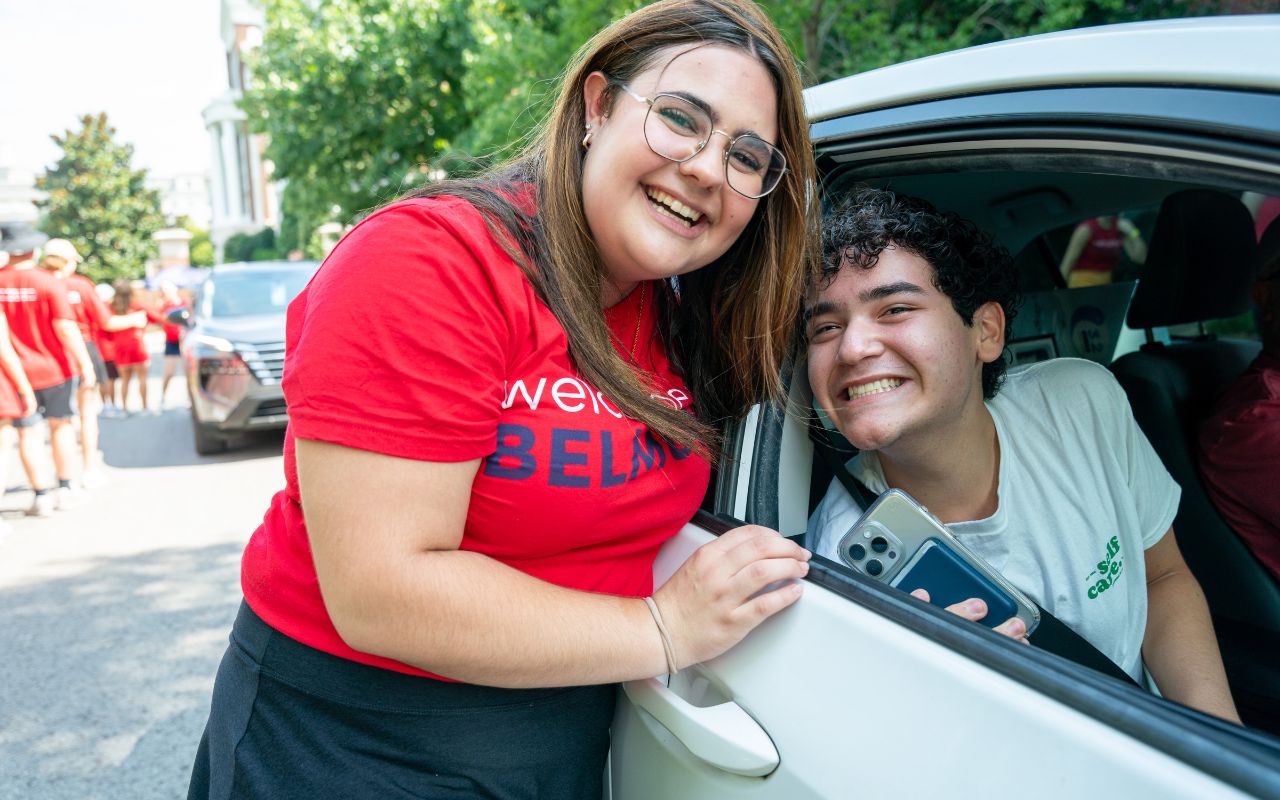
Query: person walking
x,y
170,301
128,348
17,398
504,395
54,357
60,258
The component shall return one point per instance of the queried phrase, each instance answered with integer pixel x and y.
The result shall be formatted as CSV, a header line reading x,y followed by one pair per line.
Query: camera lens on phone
x,y
857,552
879,544
874,567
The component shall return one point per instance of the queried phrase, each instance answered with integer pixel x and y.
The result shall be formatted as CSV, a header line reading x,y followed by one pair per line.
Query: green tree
x,y
201,246
521,48
97,199
260,246
358,97
833,38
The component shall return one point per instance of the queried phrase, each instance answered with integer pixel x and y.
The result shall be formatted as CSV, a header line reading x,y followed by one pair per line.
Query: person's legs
x,y
5,437
91,475
140,375
126,373
30,444
62,437
172,357
87,397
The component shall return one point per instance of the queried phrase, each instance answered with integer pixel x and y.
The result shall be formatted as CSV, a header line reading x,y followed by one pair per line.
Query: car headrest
x,y
1201,262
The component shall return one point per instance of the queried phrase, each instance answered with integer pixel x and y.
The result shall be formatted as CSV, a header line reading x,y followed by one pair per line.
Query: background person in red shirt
x,y
93,317
17,399
129,349
170,300
48,342
1240,441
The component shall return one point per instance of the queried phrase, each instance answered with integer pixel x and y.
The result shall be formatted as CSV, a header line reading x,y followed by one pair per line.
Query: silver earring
x,y
586,140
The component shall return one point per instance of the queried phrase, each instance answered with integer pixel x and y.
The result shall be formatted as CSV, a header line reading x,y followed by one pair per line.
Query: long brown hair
x,y
726,326
122,301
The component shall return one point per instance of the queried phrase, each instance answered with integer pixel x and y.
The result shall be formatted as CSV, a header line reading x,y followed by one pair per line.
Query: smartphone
x,y
899,542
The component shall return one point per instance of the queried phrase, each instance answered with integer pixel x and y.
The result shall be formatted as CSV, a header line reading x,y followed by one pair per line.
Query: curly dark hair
x,y
969,266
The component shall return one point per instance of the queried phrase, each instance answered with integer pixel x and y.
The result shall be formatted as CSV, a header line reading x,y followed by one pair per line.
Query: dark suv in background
x,y
234,349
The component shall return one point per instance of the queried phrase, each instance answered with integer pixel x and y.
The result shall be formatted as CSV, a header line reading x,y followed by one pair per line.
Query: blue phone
x,y
950,579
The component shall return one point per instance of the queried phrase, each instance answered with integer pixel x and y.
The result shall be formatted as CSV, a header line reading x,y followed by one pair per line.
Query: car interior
x,y
1175,328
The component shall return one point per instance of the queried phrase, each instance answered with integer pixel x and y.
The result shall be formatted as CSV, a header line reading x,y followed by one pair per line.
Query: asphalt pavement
x,y
114,614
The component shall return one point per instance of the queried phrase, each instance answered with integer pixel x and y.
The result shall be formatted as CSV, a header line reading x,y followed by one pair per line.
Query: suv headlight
x,y
224,377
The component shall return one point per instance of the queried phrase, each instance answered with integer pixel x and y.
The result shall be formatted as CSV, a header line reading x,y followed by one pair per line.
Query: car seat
x,y
1200,266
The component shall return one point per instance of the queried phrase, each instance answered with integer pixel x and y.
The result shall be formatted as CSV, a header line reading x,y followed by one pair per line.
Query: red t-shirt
x,y
127,346
90,312
31,301
1240,458
172,333
1103,251
420,338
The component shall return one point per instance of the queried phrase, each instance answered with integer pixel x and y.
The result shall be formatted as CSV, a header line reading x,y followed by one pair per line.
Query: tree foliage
x,y
833,38
521,48
260,246
98,201
201,246
358,96
364,99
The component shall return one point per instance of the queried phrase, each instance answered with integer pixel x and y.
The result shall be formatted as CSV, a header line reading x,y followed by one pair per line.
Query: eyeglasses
x,y
678,130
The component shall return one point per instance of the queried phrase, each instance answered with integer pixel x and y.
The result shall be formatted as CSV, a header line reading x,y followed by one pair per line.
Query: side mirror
x,y
180,317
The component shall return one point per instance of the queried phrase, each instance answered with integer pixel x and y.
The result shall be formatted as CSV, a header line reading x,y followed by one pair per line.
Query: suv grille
x,y
266,359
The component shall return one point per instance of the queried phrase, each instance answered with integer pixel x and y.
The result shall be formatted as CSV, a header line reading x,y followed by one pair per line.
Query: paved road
x,y
113,615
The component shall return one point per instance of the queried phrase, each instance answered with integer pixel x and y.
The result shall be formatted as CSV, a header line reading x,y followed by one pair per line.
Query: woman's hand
x,y
719,594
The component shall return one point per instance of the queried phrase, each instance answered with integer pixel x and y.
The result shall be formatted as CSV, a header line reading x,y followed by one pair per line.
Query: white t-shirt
x,y
1081,496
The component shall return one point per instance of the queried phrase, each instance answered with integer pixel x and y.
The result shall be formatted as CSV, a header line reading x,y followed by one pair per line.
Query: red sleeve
x,y
399,343
96,310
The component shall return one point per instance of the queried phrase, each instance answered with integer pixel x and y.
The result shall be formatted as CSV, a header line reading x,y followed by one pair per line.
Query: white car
x,y
858,691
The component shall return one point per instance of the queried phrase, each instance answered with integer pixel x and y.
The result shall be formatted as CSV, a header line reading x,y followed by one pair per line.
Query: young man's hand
x,y
975,609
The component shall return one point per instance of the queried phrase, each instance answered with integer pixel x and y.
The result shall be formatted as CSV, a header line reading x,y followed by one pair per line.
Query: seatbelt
x,y
1051,634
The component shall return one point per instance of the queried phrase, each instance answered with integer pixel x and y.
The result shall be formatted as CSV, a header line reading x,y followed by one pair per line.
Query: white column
x,y
231,172
217,180
257,190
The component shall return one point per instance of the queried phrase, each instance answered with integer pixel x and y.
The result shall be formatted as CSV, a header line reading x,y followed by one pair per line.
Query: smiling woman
x,y
504,397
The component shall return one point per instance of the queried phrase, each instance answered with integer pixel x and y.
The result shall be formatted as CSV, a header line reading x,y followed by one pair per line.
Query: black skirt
x,y
289,721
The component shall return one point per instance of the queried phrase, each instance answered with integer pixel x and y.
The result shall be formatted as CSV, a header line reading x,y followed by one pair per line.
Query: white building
x,y
18,193
244,198
185,195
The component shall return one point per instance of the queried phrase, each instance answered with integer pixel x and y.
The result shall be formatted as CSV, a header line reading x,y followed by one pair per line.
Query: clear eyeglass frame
x,y
739,156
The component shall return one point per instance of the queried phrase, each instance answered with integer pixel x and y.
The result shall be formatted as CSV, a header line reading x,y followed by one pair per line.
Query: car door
x,y
857,690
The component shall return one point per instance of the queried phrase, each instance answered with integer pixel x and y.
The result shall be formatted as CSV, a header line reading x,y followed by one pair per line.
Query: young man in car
x,y
1049,480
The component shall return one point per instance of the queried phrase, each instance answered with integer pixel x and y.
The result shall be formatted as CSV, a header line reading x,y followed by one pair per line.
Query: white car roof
x,y
1237,52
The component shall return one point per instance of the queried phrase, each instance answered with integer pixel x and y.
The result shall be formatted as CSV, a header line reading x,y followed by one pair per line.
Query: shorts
x,y
99,366
113,372
172,348
289,721
54,402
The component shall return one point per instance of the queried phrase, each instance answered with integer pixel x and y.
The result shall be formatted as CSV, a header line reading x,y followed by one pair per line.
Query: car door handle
x,y
723,735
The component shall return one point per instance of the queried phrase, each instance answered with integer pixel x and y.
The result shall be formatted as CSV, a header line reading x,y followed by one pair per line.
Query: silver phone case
x,y
904,525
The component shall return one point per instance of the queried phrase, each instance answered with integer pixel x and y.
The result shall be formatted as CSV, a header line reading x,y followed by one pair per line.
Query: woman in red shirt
x,y
503,398
128,348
